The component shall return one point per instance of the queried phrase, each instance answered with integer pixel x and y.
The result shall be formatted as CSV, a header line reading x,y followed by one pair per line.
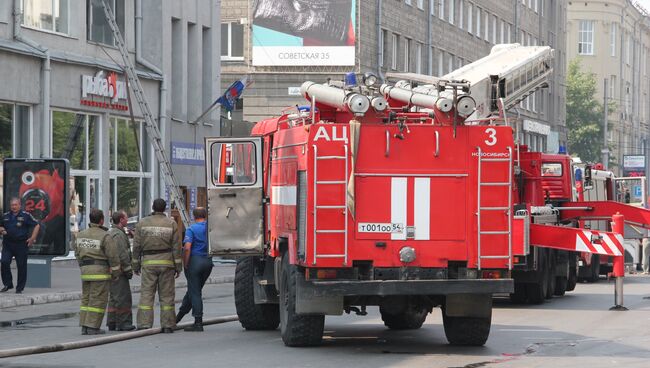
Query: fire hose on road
x,y
103,340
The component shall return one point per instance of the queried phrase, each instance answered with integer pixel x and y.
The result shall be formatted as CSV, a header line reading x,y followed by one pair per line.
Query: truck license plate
x,y
378,227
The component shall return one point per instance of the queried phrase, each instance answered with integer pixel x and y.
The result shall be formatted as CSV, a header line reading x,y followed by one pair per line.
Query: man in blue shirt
x,y
198,266
19,230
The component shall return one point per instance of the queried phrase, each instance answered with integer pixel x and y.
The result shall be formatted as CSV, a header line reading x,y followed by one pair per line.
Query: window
x,y
551,169
408,2
450,65
407,55
418,60
97,25
432,7
441,57
494,29
393,55
431,57
486,34
232,41
76,137
441,9
14,131
612,42
478,22
461,15
49,15
535,5
586,37
470,23
628,54
503,32
421,4
452,11
612,86
509,33
233,163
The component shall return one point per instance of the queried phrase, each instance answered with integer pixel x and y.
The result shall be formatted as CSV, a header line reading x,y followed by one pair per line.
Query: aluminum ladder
x,y
344,206
150,122
507,209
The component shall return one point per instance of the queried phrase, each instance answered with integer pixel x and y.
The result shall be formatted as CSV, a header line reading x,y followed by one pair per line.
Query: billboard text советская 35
x,y
304,32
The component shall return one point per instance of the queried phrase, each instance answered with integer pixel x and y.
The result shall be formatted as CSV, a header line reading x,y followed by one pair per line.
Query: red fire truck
x,y
407,196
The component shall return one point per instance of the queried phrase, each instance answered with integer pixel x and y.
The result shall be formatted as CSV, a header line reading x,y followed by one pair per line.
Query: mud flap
x,y
468,305
308,303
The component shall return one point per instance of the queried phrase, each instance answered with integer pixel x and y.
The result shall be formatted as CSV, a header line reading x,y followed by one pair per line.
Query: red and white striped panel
x,y
610,244
419,195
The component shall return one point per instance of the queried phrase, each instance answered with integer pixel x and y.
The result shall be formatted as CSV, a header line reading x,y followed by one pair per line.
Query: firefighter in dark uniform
x,y
99,261
119,315
157,254
19,230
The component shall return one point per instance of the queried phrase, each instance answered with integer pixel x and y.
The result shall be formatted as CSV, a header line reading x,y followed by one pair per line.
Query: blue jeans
x,y
196,274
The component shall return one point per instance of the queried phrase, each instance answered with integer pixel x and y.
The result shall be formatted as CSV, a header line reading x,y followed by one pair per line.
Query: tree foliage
x,y
584,114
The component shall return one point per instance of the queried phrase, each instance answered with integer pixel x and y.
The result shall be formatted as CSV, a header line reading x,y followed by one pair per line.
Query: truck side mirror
x,y
588,184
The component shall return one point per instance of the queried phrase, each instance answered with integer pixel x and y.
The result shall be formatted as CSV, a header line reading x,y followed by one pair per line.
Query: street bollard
x,y
618,227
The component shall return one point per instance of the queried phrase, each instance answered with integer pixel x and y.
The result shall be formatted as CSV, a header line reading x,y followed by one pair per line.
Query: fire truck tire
x,y
573,273
252,316
550,274
561,283
595,268
519,296
470,331
297,330
411,319
536,291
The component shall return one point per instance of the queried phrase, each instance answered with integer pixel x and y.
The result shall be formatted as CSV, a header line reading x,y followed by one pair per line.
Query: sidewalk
x,y
66,284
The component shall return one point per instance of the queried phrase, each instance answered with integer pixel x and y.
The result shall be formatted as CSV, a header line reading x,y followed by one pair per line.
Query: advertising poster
x,y
633,165
304,33
41,186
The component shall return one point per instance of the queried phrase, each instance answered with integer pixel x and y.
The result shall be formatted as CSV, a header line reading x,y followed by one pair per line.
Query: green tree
x,y
584,114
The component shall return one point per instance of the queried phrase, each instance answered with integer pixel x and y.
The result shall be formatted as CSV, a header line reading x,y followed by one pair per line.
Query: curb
x,y
76,295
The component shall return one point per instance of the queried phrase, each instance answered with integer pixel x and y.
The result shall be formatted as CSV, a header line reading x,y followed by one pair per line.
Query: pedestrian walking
x,y
19,230
119,316
646,254
198,266
157,255
99,261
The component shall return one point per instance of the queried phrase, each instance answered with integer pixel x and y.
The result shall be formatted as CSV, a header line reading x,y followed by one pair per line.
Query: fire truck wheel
x,y
550,274
252,316
595,268
472,331
561,281
573,273
536,291
411,319
297,330
519,296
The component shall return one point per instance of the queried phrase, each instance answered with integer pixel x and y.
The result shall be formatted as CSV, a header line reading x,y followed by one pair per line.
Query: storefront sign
x,y
633,165
535,127
104,90
187,154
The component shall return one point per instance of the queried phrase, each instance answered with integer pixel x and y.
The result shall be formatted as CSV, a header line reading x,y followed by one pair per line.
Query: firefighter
x,y
119,316
99,261
19,230
157,254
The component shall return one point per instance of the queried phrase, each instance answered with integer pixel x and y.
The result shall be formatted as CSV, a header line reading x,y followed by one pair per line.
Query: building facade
x,y
423,36
65,95
612,38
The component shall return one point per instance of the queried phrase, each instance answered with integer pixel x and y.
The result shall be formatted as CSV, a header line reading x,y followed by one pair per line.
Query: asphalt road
x,y
576,330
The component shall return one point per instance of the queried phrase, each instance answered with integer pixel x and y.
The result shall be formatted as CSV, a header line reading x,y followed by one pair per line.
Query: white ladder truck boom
x,y
150,122
510,73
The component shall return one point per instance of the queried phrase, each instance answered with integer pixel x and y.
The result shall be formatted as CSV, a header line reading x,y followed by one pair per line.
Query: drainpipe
x,y
45,78
162,113
380,55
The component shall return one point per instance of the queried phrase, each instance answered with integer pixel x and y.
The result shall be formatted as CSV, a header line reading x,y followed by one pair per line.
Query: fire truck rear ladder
x,y
343,206
150,122
507,209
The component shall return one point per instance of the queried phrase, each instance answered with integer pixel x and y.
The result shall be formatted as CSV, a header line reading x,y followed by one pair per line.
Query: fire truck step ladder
x,y
150,122
482,210
344,206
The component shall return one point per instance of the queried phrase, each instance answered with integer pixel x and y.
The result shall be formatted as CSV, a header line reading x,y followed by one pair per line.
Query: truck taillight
x,y
490,275
326,274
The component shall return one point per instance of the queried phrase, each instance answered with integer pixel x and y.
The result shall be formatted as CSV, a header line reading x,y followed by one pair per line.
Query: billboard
x,y
633,165
303,33
42,187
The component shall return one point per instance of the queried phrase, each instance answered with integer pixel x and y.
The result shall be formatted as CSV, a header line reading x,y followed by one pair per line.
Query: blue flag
x,y
228,99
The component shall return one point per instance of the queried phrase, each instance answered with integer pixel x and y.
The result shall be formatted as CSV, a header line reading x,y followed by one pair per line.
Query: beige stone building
x,y
612,39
